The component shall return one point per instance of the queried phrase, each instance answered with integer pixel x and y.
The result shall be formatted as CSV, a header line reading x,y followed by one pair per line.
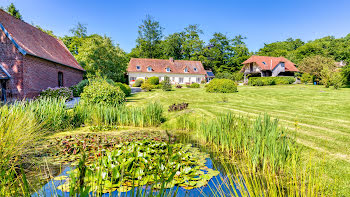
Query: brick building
x,y
31,60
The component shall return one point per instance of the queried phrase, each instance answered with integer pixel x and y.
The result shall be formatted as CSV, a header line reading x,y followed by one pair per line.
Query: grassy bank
x,y
320,118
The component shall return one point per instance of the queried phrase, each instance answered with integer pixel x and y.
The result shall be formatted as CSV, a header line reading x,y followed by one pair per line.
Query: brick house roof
x,y
161,65
269,63
32,41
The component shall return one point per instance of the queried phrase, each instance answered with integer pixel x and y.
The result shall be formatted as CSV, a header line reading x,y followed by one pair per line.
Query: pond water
x,y
50,189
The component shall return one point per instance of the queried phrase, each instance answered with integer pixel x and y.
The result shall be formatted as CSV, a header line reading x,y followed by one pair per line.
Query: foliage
x,y
124,87
265,81
315,64
236,76
194,85
145,163
306,78
78,89
57,93
221,86
346,73
173,45
153,80
73,43
146,86
17,132
166,85
138,82
178,86
149,39
337,80
177,107
99,56
101,92
13,11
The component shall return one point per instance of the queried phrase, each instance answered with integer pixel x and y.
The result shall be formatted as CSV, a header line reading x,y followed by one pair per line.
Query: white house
x,y
178,71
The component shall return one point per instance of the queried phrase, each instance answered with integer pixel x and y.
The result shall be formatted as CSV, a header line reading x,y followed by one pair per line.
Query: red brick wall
x,y
39,74
12,60
29,74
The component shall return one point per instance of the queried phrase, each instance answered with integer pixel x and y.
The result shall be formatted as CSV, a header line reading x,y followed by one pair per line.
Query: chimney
x,y
171,59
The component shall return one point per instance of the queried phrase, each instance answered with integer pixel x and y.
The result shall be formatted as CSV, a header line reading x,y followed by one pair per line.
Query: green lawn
x,y
320,117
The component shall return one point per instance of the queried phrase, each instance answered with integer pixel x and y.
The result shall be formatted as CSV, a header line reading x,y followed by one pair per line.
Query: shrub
x,y
306,78
264,81
153,80
78,89
203,82
124,87
57,93
346,73
101,92
146,87
138,82
337,80
177,107
221,86
195,85
166,86
178,86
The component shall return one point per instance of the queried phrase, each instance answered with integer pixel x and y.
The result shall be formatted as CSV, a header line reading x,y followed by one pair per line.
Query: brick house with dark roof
x,y
31,60
178,71
266,66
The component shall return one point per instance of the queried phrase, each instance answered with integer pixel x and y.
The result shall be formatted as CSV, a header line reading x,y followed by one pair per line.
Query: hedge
x,y
266,81
221,86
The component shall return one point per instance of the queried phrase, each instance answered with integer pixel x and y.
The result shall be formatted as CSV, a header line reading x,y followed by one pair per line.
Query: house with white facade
x,y
265,66
178,71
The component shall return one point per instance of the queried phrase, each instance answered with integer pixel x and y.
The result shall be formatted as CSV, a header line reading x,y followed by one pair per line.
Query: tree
x,y
149,39
74,42
11,9
192,45
314,65
173,45
99,56
346,73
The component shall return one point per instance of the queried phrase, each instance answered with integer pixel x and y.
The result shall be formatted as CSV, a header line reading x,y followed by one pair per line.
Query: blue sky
x,y
260,21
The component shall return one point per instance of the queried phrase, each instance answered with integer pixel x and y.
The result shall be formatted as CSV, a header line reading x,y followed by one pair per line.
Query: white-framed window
x,y
149,69
181,79
186,70
132,78
138,67
198,79
195,69
282,64
160,78
173,79
168,69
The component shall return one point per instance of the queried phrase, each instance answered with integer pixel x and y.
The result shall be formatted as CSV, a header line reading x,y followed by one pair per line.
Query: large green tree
x,y
193,45
173,45
79,33
99,56
314,65
149,39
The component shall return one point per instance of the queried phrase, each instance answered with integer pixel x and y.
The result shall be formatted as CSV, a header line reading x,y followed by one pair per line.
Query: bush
x,y
166,86
138,82
78,89
265,81
57,93
337,80
124,87
101,92
195,85
146,87
159,86
346,73
178,86
203,82
153,80
221,86
306,78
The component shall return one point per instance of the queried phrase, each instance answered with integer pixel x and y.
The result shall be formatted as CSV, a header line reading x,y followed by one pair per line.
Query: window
x,y
138,67
181,79
160,78
185,70
60,79
168,69
264,63
198,79
149,69
132,78
195,69
282,64
173,79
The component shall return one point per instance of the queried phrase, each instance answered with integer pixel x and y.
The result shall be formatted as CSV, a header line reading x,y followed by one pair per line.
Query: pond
x,y
125,166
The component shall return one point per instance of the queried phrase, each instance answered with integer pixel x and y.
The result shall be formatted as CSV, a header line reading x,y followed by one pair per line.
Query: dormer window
x,y
195,69
138,67
264,63
186,70
168,69
282,64
149,69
